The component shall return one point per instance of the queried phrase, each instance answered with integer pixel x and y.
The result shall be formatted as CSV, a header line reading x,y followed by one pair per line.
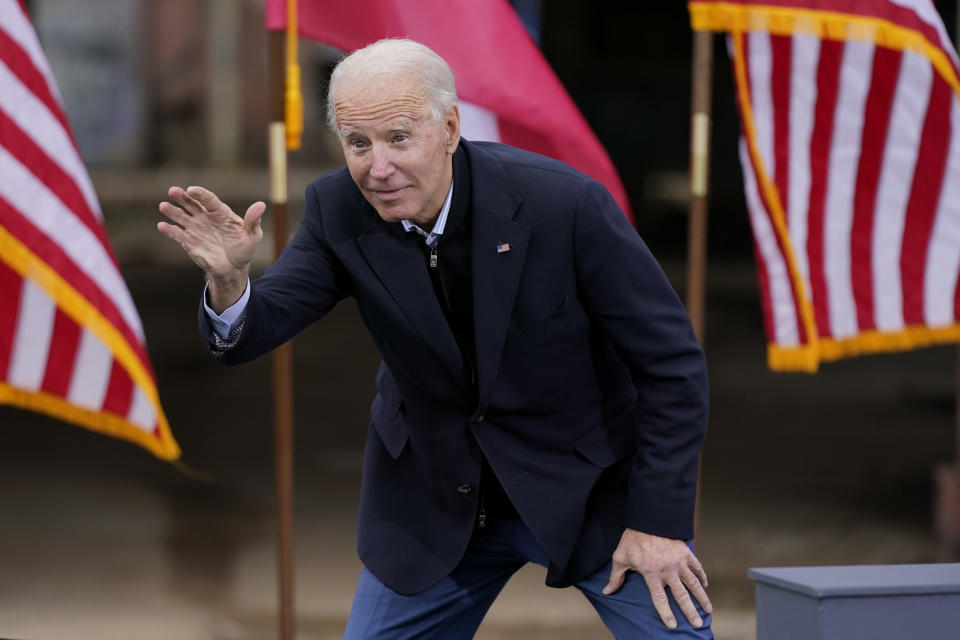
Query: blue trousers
x,y
453,608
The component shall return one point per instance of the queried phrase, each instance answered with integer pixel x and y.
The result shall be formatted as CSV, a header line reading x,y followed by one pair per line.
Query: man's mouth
x,y
387,194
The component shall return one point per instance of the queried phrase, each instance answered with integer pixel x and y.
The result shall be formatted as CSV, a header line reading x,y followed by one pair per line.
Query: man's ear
x,y
452,127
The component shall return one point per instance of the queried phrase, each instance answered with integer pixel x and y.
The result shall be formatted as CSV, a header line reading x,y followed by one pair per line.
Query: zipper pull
x,y
482,518
433,257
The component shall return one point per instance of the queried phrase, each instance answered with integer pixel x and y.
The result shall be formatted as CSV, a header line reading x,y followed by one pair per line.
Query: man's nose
x,y
382,165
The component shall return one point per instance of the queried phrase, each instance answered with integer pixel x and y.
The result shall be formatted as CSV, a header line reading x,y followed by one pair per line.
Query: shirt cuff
x,y
224,323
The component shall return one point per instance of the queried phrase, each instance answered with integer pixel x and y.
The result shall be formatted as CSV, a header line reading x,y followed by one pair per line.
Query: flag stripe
x,y
828,81
63,351
15,22
921,207
940,299
781,49
762,80
803,99
886,65
753,202
37,162
31,114
31,342
763,284
20,65
759,59
783,312
900,159
119,396
34,201
141,411
20,51
10,294
53,253
88,385
838,213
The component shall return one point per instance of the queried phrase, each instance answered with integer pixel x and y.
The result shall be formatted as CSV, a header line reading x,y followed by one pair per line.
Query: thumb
x,y
616,580
251,220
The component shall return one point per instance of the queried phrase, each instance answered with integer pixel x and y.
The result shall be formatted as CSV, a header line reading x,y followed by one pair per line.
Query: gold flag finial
x,y
293,100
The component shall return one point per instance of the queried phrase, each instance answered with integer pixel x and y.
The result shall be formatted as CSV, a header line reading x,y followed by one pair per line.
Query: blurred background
x,y
100,540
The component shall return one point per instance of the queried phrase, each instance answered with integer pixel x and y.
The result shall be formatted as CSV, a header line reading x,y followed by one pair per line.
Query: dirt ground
x,y
99,541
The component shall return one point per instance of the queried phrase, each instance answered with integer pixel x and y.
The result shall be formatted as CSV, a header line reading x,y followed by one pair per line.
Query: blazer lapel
x,y
499,249
402,268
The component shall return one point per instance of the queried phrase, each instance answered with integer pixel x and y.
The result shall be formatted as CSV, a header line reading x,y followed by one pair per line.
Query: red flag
x,y
851,161
507,91
71,342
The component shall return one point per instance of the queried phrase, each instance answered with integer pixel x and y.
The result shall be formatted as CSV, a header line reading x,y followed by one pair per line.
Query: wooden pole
x,y
699,179
283,355
702,80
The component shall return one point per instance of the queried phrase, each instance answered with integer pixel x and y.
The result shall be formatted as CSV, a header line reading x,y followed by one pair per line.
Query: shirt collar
x,y
434,236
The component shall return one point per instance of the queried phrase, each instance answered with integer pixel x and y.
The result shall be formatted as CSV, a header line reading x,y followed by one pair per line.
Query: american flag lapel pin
x,y
503,247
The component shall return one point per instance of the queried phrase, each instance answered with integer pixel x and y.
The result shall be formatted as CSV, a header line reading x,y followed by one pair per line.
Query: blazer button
x,y
480,419
464,489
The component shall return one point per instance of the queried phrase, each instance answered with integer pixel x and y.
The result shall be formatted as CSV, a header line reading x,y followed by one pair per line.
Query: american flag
x,y
850,150
71,342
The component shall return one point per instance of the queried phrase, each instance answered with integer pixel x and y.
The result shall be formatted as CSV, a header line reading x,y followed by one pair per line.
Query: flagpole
x,y
699,179
283,355
702,81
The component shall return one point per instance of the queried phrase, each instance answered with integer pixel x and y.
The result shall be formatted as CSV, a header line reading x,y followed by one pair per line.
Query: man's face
x,y
397,154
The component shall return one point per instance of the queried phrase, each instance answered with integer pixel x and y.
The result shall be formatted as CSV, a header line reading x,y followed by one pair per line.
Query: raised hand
x,y
217,240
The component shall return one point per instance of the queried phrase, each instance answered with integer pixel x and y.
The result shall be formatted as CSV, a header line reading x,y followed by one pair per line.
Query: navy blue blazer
x,y
591,396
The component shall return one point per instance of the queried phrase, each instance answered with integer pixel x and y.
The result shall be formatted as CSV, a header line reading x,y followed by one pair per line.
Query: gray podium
x,y
873,602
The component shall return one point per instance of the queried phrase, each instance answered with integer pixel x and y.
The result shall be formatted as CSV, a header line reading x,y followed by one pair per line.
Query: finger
x,y
251,219
695,587
206,199
194,204
660,602
180,196
617,574
172,231
698,570
175,213
684,601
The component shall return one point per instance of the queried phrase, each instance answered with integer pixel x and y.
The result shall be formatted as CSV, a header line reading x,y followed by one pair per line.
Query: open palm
x,y
219,241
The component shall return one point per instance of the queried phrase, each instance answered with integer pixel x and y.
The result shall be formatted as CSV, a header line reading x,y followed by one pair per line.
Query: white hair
x,y
392,57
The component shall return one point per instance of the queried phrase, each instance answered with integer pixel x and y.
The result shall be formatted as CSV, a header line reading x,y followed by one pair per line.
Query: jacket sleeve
x,y
626,294
301,287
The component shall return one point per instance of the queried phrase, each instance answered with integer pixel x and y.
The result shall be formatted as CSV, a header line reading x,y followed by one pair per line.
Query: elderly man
x,y
541,397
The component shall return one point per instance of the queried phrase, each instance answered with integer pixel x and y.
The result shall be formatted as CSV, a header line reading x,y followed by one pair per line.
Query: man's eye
x,y
358,144
400,137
